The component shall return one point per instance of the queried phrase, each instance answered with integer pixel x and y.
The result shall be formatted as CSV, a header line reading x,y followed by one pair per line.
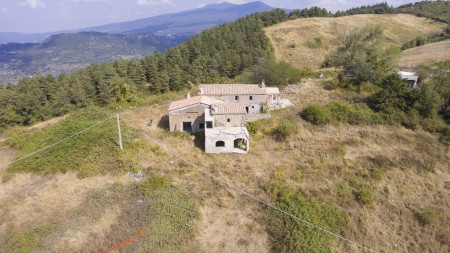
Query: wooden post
x,y
120,133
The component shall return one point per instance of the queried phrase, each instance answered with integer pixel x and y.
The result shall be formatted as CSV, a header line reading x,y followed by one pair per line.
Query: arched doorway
x,y
220,144
241,144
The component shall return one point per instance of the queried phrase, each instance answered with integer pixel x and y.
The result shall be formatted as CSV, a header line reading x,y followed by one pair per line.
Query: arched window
x,y
220,144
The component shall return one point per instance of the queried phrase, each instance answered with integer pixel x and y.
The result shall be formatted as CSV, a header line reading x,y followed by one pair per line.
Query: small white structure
x,y
410,77
225,130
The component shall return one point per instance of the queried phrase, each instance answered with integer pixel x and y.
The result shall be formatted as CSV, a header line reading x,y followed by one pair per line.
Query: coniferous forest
x,y
215,55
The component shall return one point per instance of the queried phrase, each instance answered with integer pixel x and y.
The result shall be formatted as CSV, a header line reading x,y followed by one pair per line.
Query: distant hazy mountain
x,y
67,52
186,22
182,24
8,37
71,50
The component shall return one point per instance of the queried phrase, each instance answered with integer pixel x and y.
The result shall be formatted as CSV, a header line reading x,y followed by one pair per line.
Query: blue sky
x,y
33,16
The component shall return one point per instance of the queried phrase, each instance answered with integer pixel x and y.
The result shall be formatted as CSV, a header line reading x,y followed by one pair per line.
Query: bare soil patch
x,y
47,123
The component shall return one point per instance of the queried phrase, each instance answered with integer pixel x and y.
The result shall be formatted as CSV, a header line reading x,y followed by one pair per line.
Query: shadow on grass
x,y
164,122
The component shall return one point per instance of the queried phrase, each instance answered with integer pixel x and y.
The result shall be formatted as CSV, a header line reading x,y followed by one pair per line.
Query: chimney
x,y
263,84
188,96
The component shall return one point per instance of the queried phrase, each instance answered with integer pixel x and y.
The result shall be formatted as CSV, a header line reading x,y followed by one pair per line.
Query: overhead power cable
x,y
56,143
202,170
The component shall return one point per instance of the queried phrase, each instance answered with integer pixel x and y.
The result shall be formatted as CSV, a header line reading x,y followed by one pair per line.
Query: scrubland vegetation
x,y
360,154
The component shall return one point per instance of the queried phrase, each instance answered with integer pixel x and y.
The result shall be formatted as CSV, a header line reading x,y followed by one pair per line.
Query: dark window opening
x,y
228,120
201,125
251,97
246,108
187,127
253,107
209,124
236,98
220,144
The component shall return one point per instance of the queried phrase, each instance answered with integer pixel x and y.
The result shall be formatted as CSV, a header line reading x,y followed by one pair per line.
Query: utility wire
x,y
251,196
56,143
146,107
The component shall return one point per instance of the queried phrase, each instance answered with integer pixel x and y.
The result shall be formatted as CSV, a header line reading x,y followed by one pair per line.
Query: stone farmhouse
x,y
221,112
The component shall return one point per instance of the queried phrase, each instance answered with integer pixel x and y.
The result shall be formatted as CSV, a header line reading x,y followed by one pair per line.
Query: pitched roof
x,y
408,75
228,108
231,89
272,90
179,104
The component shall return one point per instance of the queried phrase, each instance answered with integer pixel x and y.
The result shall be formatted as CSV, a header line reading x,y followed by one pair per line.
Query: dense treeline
x,y
381,8
215,55
394,103
212,56
436,10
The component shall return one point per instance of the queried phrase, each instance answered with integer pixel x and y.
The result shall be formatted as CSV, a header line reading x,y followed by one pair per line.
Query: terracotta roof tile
x,y
179,104
228,108
231,89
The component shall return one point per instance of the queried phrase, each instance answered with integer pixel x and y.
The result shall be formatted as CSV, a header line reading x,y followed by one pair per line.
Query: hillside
x,y
379,179
437,10
425,55
179,25
391,164
185,23
64,53
306,42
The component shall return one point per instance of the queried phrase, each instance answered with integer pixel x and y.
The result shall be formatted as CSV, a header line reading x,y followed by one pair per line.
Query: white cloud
x,y
3,10
34,4
153,2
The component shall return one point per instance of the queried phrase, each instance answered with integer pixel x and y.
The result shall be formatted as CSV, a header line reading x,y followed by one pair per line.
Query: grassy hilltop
x,y
307,42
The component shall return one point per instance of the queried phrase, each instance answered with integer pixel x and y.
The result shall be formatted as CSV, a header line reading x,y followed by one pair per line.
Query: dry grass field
x,y
413,166
296,41
425,55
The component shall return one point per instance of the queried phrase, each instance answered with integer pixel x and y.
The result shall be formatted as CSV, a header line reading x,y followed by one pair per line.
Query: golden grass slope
x,y
425,55
290,39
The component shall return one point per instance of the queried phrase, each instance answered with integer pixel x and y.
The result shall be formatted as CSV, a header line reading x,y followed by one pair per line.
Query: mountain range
x,y
23,55
183,24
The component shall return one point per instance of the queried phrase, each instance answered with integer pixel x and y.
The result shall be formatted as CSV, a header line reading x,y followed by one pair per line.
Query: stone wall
x,y
229,120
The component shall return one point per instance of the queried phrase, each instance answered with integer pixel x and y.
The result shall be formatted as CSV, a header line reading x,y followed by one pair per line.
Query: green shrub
x,y
331,84
28,241
155,183
343,190
157,150
340,111
377,174
252,127
291,235
427,216
339,150
283,130
316,114
368,88
313,44
365,196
